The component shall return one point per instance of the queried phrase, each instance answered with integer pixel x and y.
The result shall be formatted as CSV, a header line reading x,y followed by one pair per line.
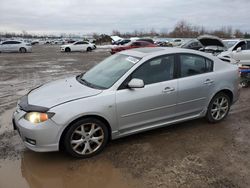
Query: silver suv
x,y
129,92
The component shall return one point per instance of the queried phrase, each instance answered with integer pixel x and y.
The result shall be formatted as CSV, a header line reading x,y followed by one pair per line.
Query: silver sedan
x,y
127,93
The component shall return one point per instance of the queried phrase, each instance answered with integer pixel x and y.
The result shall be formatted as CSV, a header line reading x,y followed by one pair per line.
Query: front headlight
x,y
38,117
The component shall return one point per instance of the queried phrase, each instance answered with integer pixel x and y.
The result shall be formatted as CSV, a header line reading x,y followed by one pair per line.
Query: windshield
x,y
188,43
229,44
106,73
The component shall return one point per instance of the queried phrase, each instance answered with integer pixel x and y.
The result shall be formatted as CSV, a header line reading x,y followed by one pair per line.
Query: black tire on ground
x,y
212,108
22,50
89,49
67,49
244,84
86,140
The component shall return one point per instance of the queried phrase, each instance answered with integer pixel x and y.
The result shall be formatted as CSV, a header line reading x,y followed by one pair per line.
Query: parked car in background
x,y
211,44
238,49
163,43
129,92
122,42
135,44
146,40
15,46
193,44
177,42
79,46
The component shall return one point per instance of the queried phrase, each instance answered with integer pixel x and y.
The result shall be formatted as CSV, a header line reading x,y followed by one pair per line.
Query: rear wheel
x,y
22,50
67,50
89,49
86,138
218,108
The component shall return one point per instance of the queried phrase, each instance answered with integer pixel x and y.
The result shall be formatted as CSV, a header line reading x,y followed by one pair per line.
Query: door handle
x,y
168,89
208,81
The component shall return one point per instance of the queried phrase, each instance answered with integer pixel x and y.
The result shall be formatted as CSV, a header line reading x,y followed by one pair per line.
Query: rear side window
x,y
15,42
192,65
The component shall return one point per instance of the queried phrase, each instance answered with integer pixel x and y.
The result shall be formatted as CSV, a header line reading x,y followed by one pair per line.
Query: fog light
x,y
30,141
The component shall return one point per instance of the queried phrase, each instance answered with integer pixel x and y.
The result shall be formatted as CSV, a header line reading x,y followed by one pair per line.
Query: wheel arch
x,y
228,92
102,119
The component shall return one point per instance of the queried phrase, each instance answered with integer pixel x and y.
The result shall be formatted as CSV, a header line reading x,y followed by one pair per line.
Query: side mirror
x,y
238,49
136,83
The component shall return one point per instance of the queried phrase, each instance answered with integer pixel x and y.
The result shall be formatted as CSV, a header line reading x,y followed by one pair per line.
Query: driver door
x,y
153,105
243,55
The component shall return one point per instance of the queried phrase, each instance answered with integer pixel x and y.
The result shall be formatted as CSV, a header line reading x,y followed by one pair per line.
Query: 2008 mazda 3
x,y
129,92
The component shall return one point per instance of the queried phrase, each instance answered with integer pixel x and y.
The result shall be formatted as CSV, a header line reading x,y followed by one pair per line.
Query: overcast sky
x,y
103,16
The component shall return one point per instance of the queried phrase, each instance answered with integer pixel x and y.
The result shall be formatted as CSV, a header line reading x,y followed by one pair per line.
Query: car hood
x,y
60,91
209,40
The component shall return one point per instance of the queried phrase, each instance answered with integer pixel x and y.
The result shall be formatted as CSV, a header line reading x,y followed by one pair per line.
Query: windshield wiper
x,y
86,83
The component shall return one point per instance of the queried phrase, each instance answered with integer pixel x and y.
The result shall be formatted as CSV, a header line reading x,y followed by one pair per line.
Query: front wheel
x,y
22,50
218,108
89,49
86,138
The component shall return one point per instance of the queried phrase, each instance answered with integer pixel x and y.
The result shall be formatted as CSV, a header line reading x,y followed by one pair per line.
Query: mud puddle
x,y
56,170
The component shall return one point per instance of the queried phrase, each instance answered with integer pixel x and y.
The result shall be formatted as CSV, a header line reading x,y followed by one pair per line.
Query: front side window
x,y
78,43
192,65
16,42
106,73
157,70
241,44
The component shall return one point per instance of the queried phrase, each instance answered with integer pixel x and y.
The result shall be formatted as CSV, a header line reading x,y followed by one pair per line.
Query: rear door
x,y
78,46
15,46
195,83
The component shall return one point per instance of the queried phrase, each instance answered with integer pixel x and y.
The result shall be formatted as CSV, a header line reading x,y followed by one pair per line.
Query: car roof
x,y
157,51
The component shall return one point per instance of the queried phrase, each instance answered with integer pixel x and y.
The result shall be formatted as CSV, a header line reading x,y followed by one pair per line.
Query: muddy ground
x,y
192,154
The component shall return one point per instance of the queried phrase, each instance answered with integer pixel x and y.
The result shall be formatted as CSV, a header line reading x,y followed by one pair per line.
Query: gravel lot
x,y
192,154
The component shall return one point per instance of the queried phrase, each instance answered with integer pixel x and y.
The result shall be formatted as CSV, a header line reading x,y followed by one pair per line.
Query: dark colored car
x,y
146,40
135,44
124,41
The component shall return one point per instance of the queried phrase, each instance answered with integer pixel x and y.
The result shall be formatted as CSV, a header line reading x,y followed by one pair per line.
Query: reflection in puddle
x,y
44,170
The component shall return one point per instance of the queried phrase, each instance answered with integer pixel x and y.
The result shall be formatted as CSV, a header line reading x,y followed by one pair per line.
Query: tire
x,y
218,108
22,50
89,49
244,84
67,49
86,144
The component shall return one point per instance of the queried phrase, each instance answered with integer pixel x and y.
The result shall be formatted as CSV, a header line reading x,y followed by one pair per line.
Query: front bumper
x,y
42,137
62,49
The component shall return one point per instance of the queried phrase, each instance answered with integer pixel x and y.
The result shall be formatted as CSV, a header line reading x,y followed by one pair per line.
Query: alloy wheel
x,y
220,108
87,138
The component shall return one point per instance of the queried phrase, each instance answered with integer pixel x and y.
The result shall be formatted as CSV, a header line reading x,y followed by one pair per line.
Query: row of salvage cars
x,y
232,51
235,51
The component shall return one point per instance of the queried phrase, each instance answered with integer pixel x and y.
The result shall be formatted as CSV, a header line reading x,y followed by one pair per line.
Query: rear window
x,y
193,64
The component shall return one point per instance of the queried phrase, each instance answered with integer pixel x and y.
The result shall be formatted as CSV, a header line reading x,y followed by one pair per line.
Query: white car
x,y
15,46
78,46
237,49
177,42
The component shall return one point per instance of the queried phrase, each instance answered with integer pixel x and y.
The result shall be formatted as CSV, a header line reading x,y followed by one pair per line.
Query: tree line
x,y
182,29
